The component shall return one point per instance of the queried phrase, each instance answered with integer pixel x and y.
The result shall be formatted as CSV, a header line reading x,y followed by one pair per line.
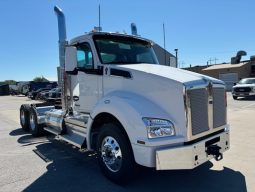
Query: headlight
x,y
158,127
253,89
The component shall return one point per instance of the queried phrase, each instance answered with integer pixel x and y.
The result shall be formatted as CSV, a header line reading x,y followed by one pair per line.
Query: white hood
x,y
179,75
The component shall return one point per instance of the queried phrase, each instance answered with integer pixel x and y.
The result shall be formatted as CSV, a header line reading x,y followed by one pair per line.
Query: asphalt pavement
x,y
47,164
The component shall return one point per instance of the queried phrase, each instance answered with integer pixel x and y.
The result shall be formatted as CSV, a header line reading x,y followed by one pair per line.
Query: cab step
x,y
75,138
51,130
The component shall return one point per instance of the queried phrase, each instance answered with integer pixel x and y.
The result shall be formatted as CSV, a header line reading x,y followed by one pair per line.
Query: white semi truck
x,y
118,101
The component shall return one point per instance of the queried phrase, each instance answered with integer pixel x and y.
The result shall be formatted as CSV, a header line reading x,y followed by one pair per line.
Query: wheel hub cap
x,y
32,121
22,117
111,154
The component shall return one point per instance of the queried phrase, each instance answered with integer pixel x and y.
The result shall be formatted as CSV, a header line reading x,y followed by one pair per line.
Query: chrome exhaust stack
x,y
133,29
62,44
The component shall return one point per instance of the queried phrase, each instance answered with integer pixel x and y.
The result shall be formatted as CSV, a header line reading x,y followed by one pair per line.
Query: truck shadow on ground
x,y
70,169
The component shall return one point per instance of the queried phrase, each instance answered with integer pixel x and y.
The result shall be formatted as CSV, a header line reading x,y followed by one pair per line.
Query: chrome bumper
x,y
243,94
190,156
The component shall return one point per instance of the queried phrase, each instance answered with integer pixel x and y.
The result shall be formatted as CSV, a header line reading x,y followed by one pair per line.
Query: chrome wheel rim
x,y
22,117
111,154
32,122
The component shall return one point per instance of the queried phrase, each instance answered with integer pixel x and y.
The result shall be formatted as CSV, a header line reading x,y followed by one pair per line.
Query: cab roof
x,y
90,35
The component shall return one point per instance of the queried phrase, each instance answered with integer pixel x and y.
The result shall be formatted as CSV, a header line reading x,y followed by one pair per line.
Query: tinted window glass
x,y
84,56
124,50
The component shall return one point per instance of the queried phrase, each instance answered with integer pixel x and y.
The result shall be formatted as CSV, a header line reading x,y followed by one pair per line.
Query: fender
x,y
128,108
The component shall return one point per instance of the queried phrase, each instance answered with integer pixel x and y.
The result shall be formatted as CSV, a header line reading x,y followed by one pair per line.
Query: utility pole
x,y
212,59
176,57
215,60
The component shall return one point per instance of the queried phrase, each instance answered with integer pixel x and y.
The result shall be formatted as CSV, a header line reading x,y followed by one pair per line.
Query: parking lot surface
x,y
46,164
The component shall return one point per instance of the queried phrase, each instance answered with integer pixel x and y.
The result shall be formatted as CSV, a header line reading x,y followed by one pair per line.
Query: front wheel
x,y
115,155
235,97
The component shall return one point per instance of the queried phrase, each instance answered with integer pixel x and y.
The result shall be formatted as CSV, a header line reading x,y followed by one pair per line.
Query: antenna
x,y
164,36
99,18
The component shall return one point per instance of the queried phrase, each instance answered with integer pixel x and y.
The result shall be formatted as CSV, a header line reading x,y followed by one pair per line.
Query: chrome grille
x,y
199,110
242,89
219,107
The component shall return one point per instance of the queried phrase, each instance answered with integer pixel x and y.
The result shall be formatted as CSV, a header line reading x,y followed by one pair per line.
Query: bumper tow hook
x,y
215,151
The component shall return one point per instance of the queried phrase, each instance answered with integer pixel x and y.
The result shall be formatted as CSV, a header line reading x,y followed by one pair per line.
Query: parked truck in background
x,y
117,101
31,86
244,88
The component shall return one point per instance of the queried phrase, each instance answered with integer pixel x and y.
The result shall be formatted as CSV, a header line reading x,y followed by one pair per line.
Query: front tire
x,y
115,156
35,128
235,97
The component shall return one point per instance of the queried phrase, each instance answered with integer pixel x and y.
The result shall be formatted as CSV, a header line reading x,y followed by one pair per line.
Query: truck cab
x,y
118,101
96,62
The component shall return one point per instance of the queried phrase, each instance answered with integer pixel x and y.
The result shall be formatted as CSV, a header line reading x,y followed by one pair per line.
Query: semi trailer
x,y
119,102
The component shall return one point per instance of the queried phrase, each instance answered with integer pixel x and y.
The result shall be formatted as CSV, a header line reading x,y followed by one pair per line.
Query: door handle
x,y
76,98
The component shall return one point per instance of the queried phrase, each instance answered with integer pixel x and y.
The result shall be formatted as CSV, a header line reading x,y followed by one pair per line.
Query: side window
x,y
84,56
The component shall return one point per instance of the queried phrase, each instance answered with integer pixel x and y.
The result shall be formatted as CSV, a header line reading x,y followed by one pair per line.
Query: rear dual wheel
x,y
35,128
28,120
24,116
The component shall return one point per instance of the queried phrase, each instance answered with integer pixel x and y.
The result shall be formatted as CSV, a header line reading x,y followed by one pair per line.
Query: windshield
x,y
123,50
247,81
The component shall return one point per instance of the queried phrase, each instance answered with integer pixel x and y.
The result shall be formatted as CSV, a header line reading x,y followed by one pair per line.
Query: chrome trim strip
x,y
209,89
185,97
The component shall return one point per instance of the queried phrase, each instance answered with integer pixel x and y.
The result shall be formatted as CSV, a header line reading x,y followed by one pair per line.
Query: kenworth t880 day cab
x,y
118,101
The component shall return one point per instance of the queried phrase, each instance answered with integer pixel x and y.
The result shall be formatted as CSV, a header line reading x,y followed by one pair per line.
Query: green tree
x,y
40,79
10,82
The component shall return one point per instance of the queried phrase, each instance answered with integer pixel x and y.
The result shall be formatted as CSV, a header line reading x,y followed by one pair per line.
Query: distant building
x,y
196,69
164,57
229,73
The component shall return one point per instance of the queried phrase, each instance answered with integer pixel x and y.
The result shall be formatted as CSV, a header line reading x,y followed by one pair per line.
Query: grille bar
x,y
199,110
219,107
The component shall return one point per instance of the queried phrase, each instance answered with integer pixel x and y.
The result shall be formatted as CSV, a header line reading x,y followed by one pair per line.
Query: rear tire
x,y
24,116
115,156
35,128
235,97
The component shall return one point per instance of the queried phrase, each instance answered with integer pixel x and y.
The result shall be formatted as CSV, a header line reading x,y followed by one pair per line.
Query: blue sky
x,y
200,29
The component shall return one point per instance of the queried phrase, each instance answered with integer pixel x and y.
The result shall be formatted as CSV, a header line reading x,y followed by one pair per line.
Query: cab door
x,y
88,84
